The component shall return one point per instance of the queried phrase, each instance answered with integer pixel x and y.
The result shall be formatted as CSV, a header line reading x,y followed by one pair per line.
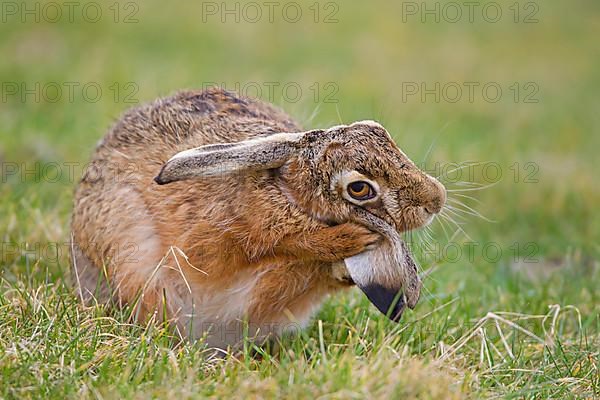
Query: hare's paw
x,y
347,240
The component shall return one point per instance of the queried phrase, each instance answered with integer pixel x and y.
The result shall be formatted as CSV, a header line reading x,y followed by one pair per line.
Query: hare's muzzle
x,y
435,196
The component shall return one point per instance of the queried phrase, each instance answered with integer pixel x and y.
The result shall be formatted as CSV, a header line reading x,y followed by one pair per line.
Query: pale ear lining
x,y
255,154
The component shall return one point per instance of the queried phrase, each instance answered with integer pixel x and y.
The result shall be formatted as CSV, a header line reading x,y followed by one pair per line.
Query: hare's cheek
x,y
421,217
411,218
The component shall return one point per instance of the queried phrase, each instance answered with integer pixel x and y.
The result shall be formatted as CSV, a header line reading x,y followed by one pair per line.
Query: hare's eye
x,y
361,190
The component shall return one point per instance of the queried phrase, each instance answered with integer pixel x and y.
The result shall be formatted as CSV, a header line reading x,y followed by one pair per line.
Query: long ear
x,y
387,274
215,159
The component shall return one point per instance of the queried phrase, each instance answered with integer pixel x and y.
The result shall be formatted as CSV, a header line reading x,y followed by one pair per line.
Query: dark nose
x,y
436,198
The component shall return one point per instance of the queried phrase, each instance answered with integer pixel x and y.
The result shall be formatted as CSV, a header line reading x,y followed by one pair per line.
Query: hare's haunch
x,y
221,214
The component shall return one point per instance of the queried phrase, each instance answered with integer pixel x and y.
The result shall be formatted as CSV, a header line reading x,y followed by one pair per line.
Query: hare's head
x,y
345,173
344,168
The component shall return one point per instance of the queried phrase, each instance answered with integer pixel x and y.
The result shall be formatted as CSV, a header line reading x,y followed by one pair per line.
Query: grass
x,y
521,322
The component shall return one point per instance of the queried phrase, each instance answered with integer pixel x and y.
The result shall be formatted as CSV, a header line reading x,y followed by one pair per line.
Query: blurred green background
x,y
399,63
340,62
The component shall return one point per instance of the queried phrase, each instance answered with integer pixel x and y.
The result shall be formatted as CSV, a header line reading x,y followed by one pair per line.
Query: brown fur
x,y
260,243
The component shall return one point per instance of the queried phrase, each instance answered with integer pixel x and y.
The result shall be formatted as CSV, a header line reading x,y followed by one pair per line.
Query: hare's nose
x,y
437,197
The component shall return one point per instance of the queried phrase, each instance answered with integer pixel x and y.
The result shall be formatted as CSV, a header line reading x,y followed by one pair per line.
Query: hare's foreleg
x,y
328,244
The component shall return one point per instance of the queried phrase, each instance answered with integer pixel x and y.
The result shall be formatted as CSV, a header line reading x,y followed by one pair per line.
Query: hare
x,y
220,214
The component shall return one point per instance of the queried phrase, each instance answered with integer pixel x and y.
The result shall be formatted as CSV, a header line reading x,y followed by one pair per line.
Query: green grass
x,y
521,324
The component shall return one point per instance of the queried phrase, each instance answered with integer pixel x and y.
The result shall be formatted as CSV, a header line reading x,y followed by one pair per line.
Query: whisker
x,y
470,211
421,237
428,229
459,228
427,233
442,129
468,197
454,235
429,150
454,213
455,220
313,115
469,184
337,110
442,220
465,165
448,217
446,222
471,189
428,273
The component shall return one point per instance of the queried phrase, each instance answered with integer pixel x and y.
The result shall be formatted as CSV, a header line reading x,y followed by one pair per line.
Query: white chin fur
x,y
429,220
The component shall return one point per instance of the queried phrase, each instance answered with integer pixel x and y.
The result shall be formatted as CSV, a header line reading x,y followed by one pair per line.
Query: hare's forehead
x,y
362,139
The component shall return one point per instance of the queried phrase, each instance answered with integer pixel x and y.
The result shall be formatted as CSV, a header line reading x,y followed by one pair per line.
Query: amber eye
x,y
361,190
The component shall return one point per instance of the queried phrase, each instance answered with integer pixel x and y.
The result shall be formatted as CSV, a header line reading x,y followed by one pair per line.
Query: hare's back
x,y
195,118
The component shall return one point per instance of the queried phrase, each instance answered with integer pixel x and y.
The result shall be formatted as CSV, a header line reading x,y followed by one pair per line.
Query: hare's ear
x,y
388,277
217,159
387,274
